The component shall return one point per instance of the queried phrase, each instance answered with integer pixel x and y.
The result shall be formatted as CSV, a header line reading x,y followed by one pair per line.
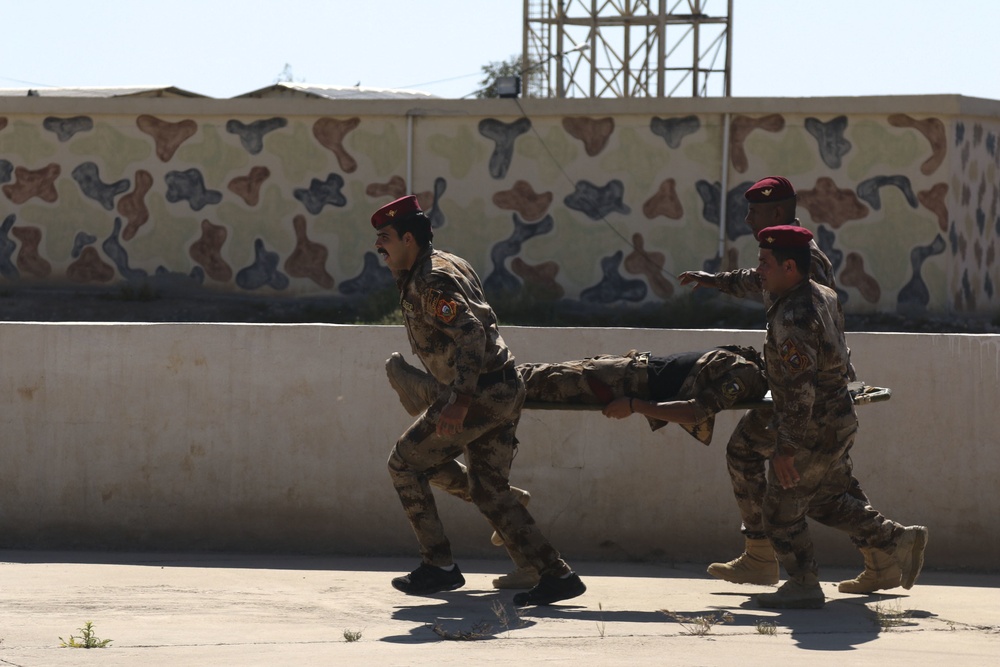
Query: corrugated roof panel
x,y
100,91
290,89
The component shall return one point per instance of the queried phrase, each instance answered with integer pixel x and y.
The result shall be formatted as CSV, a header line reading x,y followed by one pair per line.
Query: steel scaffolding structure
x,y
626,48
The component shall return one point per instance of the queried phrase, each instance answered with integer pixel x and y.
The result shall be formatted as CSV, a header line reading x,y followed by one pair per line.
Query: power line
x,y
604,219
431,83
29,83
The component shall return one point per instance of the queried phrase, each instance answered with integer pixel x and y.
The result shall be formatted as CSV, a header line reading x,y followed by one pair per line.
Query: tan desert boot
x,y
756,565
909,554
416,388
881,572
522,577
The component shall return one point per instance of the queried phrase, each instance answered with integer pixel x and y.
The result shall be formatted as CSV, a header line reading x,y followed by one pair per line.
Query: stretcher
x,y
861,393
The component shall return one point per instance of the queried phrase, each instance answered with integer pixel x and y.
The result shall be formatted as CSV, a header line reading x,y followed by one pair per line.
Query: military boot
x,y
524,500
799,592
881,572
909,554
522,577
756,565
416,389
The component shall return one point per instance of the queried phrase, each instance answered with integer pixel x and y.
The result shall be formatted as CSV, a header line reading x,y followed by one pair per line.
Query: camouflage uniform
x,y
750,445
453,331
813,419
711,380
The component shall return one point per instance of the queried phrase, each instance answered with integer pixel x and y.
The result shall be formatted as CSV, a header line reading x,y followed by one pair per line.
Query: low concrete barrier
x,y
275,437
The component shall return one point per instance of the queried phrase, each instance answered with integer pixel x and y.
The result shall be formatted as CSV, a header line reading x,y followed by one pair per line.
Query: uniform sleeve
x,y
793,377
448,311
821,271
742,283
820,267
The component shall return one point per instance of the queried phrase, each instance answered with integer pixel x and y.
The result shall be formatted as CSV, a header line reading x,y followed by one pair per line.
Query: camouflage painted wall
x,y
600,202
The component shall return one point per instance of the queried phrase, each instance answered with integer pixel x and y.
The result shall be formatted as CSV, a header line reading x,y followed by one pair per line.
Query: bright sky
x,y
781,48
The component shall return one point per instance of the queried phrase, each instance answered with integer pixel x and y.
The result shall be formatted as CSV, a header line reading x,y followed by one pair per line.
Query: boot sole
x,y
528,600
866,590
916,563
392,368
430,591
769,581
506,583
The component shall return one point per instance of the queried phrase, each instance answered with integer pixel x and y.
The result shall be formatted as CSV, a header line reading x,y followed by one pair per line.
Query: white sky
x,y
781,48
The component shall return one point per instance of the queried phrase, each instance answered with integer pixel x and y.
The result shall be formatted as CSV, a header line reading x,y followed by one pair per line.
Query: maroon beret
x,y
770,189
784,236
396,210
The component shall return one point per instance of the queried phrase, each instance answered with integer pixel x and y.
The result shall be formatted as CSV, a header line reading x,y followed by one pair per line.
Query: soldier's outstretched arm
x,y
697,278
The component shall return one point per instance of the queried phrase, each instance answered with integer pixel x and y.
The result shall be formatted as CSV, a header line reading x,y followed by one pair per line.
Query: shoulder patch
x,y
791,355
731,389
445,310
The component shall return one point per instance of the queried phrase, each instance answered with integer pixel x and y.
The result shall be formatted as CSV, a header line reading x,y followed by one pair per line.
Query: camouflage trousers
x,y
422,459
827,492
594,381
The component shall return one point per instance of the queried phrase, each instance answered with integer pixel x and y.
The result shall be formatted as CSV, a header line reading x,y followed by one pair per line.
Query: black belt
x,y
503,375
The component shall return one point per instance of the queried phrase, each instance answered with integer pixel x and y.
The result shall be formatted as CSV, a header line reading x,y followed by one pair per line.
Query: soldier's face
x,y
774,277
762,216
398,253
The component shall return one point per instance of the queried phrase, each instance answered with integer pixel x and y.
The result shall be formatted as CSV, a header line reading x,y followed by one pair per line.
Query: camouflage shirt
x,y
451,327
806,359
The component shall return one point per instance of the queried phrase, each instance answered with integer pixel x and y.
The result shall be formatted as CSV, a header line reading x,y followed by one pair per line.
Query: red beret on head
x,y
784,236
770,189
396,210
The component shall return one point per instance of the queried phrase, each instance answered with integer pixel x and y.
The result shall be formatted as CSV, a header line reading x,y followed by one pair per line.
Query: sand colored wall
x,y
172,436
596,203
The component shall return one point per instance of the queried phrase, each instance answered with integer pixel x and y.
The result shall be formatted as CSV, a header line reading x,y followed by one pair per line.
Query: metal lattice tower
x,y
627,48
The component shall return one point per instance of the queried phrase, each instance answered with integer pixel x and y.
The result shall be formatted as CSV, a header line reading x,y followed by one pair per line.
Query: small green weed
x,y
477,631
889,617
767,628
87,639
352,635
505,619
699,625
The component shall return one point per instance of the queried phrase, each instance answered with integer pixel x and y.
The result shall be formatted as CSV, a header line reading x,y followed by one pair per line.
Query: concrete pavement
x,y
224,609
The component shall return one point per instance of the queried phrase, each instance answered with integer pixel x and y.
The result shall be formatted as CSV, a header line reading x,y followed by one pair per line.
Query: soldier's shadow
x,y
841,625
470,614
465,615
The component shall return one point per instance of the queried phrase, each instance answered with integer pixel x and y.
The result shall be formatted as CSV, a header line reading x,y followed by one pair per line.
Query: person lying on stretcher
x,y
687,388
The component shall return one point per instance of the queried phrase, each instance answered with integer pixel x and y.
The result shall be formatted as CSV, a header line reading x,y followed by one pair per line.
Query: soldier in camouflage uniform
x,y
688,388
813,427
771,201
453,331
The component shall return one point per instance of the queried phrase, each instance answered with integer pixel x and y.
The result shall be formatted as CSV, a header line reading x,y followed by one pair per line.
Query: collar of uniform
x,y
781,299
403,279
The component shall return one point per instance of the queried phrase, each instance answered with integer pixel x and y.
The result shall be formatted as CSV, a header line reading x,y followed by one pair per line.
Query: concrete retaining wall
x,y
239,437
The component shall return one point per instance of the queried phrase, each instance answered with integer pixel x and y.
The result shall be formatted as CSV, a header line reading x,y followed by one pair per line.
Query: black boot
x,y
551,589
428,579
